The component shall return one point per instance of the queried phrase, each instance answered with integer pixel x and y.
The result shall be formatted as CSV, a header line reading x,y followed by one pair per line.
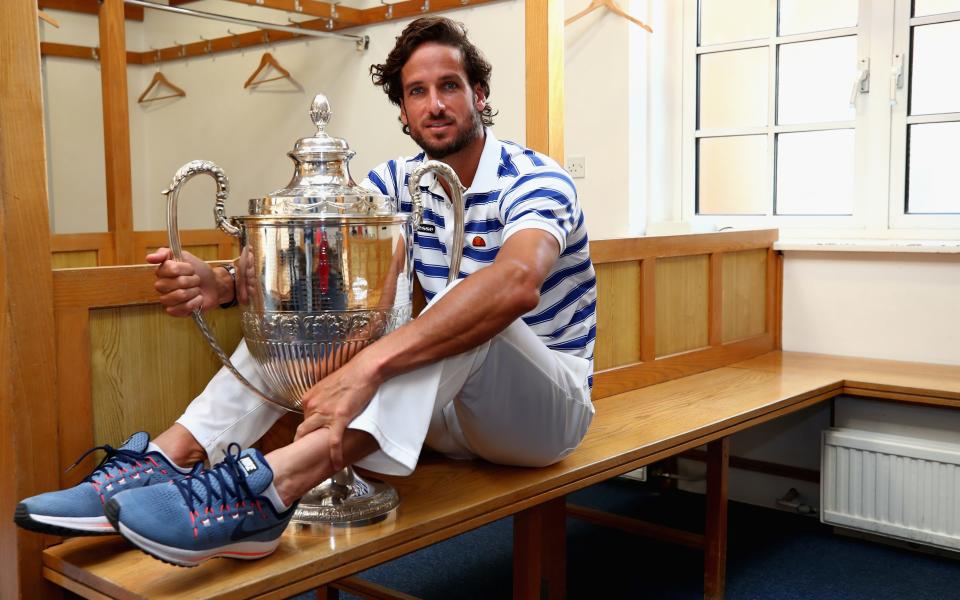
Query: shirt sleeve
x,y
544,199
383,179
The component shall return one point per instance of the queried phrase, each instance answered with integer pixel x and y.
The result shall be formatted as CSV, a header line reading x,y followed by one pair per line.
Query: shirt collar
x,y
485,179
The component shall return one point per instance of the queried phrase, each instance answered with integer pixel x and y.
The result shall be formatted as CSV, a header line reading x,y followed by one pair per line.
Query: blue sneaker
x,y
79,510
231,510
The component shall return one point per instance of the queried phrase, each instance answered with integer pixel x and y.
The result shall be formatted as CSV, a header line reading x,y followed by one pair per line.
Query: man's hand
x,y
184,286
336,400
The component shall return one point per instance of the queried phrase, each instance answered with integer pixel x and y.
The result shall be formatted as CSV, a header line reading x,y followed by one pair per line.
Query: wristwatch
x,y
232,271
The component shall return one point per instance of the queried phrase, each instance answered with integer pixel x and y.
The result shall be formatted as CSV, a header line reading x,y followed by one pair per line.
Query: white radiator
x,y
903,487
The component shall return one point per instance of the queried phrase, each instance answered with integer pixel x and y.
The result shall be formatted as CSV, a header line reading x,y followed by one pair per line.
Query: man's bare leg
x,y
300,466
180,446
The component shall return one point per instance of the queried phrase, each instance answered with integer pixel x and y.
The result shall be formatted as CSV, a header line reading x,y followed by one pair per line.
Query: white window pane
x,y
933,171
922,8
815,172
733,89
732,176
814,81
803,16
733,20
935,85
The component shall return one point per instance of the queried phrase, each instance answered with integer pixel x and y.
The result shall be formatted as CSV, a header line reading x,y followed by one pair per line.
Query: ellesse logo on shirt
x,y
478,242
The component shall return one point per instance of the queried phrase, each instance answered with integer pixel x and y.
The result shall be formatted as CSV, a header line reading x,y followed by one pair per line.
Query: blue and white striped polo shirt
x,y
514,189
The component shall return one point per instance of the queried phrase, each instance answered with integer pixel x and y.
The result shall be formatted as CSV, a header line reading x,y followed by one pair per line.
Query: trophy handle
x,y
456,189
184,174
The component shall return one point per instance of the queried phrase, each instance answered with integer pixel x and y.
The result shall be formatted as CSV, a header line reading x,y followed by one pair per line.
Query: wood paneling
x,y
638,248
618,315
744,294
681,304
77,244
116,128
28,375
75,259
212,244
146,367
90,7
544,77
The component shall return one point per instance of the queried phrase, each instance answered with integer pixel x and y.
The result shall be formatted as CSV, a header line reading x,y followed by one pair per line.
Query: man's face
x,y
439,106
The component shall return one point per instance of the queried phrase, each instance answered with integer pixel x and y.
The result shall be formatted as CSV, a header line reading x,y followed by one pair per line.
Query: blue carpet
x,y
771,554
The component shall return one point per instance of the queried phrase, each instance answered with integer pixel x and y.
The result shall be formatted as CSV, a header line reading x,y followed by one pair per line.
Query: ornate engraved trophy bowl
x,y
327,267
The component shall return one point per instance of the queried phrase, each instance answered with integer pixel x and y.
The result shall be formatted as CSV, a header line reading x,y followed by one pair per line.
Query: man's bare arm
x,y
473,312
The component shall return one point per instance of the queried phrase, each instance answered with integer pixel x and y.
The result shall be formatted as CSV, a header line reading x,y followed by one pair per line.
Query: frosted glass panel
x,y
815,173
815,80
732,176
935,7
935,83
733,20
733,89
803,16
933,170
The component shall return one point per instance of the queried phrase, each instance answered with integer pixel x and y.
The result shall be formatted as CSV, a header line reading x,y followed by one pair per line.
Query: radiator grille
x,y
903,487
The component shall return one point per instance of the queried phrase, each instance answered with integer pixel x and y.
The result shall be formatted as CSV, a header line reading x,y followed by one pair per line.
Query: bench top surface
x,y
444,497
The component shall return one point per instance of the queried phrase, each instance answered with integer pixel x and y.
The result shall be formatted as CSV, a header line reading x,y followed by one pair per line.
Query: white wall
x,y
880,305
248,132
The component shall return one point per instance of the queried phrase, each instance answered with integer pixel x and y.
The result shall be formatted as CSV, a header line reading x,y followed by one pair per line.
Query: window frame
x,y
880,151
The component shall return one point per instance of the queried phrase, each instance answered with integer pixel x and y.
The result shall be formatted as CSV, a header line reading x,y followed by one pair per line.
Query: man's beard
x,y
463,139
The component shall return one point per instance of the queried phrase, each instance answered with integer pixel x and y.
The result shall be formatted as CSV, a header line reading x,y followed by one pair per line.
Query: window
x,y
825,117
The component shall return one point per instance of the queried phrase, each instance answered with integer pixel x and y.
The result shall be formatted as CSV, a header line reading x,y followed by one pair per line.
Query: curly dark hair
x,y
442,31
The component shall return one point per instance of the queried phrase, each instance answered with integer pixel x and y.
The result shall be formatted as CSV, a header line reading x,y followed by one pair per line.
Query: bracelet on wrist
x,y
232,271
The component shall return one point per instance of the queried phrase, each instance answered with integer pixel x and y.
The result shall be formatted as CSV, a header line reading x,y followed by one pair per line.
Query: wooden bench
x,y
688,328
446,498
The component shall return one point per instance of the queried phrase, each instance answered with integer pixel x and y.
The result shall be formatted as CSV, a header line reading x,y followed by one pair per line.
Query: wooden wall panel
x,y
146,366
618,315
744,294
75,259
681,304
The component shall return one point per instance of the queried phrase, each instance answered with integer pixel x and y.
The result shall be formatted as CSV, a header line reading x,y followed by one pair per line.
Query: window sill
x,y
849,245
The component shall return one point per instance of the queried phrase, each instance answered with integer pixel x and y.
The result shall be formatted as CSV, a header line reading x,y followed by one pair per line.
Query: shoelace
x,y
232,480
116,458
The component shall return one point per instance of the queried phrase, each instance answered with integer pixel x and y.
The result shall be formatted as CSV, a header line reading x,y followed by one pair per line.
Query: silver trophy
x,y
328,268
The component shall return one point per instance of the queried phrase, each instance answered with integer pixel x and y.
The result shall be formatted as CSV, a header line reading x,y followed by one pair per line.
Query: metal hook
x,y
426,6
182,51
208,48
297,6
234,41
158,57
333,10
389,13
94,54
266,37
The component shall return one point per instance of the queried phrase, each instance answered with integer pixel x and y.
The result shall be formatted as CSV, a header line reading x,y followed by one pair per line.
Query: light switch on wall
x,y
577,167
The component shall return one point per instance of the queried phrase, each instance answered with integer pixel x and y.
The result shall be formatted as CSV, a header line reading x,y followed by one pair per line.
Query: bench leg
x,y
540,552
715,558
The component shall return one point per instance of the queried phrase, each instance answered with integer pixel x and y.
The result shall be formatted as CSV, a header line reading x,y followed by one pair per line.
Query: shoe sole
x,y
179,557
64,526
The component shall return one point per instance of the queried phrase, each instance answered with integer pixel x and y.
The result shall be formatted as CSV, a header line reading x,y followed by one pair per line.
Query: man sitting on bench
x,y
498,366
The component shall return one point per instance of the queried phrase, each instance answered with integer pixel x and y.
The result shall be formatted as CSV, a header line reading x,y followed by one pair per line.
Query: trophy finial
x,y
320,113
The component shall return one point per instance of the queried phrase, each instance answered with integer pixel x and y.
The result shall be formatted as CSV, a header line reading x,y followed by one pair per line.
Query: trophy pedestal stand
x,y
346,500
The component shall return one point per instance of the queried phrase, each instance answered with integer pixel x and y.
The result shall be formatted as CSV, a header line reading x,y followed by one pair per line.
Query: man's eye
x,y
416,91
450,85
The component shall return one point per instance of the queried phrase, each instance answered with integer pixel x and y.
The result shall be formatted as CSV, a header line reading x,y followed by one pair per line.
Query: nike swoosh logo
x,y
240,531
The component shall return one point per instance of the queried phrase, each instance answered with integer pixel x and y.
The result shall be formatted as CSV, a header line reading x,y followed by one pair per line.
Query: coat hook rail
x,y
239,21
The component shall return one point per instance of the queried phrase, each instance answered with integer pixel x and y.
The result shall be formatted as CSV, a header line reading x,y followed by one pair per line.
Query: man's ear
x,y
403,114
479,98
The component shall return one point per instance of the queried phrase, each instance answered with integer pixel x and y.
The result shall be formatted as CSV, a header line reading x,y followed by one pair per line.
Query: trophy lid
x,y
321,185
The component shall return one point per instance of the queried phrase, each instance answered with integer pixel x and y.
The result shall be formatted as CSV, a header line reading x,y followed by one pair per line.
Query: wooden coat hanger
x,y
158,80
45,17
267,60
612,7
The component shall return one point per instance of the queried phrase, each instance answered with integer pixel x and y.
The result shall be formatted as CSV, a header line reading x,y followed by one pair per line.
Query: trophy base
x,y
346,500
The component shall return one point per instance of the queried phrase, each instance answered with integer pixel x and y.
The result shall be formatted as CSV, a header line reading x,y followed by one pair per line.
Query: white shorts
x,y
510,400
